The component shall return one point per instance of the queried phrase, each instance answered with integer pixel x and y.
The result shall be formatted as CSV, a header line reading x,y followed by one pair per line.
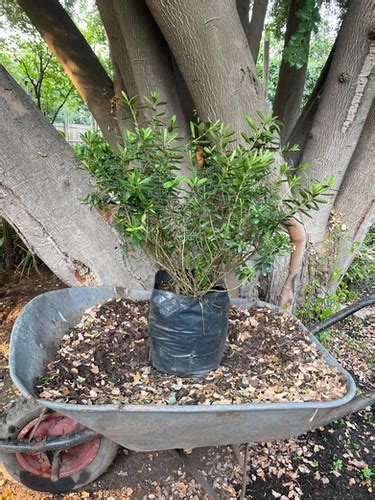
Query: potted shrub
x,y
232,207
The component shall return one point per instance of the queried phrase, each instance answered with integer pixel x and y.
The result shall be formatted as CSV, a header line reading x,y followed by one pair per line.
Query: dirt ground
x,y
334,462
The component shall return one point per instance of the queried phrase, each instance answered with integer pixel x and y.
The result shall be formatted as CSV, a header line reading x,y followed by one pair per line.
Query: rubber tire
x,y
21,414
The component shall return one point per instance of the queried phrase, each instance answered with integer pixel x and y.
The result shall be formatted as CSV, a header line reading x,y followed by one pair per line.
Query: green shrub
x,y
205,224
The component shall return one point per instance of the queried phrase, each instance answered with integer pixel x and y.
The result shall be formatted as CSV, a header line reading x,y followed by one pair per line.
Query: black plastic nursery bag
x,y
187,334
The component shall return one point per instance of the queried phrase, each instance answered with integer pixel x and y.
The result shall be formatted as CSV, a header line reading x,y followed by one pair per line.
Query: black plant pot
x,y
187,334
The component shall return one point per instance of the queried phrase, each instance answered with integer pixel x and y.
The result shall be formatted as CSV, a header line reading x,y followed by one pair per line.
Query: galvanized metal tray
x,y
36,336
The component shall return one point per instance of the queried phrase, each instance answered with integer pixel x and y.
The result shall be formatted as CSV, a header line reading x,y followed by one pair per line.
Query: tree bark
x,y
141,53
223,83
115,42
301,129
41,184
253,28
266,66
243,9
291,81
215,60
8,246
345,103
78,60
256,25
355,202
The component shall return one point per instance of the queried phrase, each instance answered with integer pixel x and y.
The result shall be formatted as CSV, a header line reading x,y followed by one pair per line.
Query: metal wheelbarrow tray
x,y
37,334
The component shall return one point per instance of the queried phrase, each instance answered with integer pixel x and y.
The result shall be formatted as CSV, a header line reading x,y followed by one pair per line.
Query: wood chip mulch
x,y
269,358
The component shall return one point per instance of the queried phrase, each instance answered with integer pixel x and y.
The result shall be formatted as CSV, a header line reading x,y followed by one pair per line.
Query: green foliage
x,y
13,16
318,303
28,59
87,18
337,464
367,473
360,274
279,16
295,53
201,226
24,260
36,69
321,43
320,47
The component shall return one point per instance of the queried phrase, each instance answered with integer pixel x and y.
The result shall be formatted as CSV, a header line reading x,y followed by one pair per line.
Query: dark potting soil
x,y
269,358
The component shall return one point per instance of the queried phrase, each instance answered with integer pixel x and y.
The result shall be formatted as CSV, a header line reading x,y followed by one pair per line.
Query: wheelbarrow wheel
x,y
65,471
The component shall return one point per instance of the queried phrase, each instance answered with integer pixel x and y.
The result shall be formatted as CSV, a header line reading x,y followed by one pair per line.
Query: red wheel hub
x,y
72,460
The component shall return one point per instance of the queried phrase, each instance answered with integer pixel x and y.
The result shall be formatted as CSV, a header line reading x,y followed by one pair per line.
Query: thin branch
x,y
62,104
30,79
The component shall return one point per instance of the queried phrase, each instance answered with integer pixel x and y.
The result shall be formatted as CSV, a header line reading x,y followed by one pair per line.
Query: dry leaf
x,y
304,469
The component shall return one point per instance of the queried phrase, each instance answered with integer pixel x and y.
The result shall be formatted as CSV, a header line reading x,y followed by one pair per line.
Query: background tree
x,y
197,55
38,71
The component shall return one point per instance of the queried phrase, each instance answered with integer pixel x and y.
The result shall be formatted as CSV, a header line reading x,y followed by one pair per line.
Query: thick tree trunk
x,y
243,9
355,203
213,54
217,67
114,37
41,184
141,53
223,84
301,130
344,105
78,60
291,81
255,29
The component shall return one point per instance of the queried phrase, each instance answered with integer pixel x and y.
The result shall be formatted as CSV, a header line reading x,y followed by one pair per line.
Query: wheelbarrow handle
x,y
344,313
49,444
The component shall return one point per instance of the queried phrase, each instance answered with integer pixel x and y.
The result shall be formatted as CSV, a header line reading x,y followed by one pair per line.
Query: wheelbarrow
x,y
59,447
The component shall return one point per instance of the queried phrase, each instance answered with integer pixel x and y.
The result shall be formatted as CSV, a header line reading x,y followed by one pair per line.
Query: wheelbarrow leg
x,y
198,476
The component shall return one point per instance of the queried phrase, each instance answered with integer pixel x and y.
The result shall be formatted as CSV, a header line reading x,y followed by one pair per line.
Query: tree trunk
x,y
213,54
223,83
141,53
291,82
301,130
355,203
78,60
243,9
255,29
266,65
344,105
114,37
8,246
41,185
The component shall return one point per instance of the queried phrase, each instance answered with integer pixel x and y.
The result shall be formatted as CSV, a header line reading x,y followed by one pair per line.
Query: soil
x,y
330,463
269,358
